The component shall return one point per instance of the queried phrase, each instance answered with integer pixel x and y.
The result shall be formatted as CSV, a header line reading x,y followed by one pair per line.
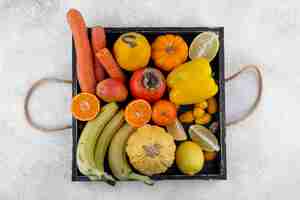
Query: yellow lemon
x,y
189,158
132,51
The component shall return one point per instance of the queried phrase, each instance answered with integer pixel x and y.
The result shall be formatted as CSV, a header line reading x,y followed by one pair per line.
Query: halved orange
x,y
138,113
85,106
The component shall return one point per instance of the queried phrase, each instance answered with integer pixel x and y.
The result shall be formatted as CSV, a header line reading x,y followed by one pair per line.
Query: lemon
x,y
205,45
189,158
204,137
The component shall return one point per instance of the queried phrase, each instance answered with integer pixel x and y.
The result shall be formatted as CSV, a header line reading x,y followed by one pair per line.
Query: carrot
x,y
85,65
110,65
98,43
98,38
99,70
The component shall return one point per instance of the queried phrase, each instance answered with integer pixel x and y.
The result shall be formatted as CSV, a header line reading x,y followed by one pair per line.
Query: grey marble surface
x,y
263,151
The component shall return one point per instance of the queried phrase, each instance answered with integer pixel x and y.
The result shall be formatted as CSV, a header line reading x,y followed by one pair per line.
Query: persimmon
x,y
85,106
148,84
164,112
138,113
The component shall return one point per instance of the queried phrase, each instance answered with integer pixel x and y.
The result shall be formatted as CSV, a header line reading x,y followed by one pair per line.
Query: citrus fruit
x,y
204,45
189,158
204,119
204,137
209,156
85,106
212,105
164,112
198,112
177,131
187,117
138,113
202,105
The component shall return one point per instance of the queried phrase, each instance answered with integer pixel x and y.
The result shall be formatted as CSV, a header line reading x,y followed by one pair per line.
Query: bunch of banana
x,y
107,130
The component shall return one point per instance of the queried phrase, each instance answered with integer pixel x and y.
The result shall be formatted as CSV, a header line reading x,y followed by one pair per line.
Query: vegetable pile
x,y
138,136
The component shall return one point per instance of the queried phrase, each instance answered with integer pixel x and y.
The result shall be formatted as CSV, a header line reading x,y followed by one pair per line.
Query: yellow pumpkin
x,y
132,51
169,51
151,150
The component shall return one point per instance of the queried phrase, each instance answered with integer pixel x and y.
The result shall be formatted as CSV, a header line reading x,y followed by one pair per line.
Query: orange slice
x,y
138,113
85,106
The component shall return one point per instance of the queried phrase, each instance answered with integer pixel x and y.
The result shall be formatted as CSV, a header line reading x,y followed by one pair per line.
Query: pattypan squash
x,y
151,150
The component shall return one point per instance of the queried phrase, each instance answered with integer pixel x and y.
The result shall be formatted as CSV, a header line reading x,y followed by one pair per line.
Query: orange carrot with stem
x,y
110,65
98,43
84,55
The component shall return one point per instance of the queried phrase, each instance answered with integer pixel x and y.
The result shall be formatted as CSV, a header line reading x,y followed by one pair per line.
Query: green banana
x,y
104,140
117,157
88,139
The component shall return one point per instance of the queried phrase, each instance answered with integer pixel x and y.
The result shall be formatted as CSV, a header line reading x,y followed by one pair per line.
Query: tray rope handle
x,y
45,80
253,107
28,96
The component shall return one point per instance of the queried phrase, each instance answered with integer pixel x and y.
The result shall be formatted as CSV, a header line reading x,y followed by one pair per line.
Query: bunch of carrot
x,y
92,62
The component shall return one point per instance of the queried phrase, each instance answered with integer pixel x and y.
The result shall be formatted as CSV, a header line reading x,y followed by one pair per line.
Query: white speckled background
x,y
263,151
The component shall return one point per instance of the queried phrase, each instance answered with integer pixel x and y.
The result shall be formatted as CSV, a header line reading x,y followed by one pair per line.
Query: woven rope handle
x,y
43,81
28,116
256,69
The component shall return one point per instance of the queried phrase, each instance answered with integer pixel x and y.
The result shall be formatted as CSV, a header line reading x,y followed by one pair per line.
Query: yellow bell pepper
x,y
191,82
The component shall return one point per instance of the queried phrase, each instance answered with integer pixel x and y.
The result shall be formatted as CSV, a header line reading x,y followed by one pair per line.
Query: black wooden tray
x,y
213,169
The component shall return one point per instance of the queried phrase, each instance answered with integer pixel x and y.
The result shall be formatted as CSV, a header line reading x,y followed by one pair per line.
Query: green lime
x,y
189,158
205,45
204,137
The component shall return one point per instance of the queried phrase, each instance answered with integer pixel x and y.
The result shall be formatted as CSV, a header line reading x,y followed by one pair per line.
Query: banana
x,y
88,139
117,157
104,140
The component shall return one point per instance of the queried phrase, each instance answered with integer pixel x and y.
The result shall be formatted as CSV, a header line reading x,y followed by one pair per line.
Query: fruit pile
x,y
139,134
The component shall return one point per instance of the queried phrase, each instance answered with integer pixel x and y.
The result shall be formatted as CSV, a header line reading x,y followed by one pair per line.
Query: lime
x,y
205,45
189,158
204,137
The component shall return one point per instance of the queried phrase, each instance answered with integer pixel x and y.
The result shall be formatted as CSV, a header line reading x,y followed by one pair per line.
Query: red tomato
x,y
148,84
